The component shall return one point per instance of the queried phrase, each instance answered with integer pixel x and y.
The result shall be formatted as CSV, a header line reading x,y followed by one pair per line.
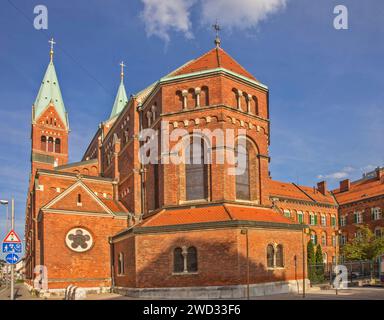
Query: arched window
x,y
120,264
43,144
255,106
57,146
325,257
270,256
50,144
243,191
279,256
324,239
179,100
204,97
196,171
178,260
79,198
192,259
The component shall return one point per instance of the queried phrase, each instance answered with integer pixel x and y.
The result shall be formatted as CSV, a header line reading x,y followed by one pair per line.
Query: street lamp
x,y
5,203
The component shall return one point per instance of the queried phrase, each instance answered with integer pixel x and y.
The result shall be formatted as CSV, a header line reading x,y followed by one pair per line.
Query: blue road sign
x,y
12,247
12,258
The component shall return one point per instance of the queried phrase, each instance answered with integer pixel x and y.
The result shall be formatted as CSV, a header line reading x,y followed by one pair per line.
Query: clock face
x,y
79,240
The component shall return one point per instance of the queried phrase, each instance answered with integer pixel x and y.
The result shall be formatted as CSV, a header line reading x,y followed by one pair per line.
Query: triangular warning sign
x,y
12,237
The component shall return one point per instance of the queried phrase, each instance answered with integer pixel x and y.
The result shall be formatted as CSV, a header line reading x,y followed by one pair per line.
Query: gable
x,y
69,200
50,117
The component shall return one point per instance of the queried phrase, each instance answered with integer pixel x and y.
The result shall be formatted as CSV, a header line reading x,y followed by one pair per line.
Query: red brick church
x,y
166,229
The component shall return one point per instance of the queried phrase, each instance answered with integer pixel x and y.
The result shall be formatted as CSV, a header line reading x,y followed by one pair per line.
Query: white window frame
x,y
376,212
323,220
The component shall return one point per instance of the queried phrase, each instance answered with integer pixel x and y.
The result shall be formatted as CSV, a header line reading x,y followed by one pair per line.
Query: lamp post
x,y
5,203
305,231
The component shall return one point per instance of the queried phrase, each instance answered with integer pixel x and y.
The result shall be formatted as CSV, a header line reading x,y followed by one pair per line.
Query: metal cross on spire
x,y
122,65
217,28
52,42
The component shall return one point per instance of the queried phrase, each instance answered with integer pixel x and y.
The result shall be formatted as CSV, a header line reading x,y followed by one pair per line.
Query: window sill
x,y
200,201
184,273
277,268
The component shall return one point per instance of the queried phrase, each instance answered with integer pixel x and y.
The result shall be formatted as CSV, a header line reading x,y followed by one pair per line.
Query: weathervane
x,y
122,65
217,28
52,42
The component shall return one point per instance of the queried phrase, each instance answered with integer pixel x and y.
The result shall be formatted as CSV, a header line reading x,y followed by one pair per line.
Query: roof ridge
x,y
298,187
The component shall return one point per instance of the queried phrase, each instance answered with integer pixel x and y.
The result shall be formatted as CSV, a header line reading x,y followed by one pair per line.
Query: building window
x,y
279,256
50,144
325,257
178,260
196,172
287,213
324,239
343,221
57,146
185,260
270,256
314,238
334,241
275,256
120,264
312,219
192,259
376,213
300,217
358,217
43,143
242,177
156,185
333,221
343,239
323,220
79,203
378,232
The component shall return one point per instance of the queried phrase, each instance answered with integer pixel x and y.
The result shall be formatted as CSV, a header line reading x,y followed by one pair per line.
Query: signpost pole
x,y
12,265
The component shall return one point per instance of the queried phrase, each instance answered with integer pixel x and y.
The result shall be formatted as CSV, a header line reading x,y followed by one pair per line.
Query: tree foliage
x,y
366,246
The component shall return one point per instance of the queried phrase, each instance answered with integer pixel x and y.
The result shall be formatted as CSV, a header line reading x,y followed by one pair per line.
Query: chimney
x,y
322,187
380,174
345,185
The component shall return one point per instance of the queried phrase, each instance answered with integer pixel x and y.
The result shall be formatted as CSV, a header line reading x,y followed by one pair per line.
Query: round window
x,y
79,240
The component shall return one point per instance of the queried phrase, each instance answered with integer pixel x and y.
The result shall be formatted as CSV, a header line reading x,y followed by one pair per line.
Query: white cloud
x,y
160,17
342,174
242,14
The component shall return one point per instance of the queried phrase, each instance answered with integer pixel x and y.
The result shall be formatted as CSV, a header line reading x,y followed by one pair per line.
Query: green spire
x,y
121,97
50,93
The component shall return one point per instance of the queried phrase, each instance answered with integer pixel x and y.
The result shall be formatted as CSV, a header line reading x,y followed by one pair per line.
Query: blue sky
x,y
326,87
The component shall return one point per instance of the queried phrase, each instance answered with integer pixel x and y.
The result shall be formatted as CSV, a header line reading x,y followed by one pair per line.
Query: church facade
x,y
166,228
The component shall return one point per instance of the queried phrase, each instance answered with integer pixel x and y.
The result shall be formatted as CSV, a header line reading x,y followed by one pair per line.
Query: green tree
x,y
366,246
311,261
319,264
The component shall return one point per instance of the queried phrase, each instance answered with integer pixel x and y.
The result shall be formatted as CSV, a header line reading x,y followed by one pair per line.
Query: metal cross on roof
x,y
122,65
217,28
52,42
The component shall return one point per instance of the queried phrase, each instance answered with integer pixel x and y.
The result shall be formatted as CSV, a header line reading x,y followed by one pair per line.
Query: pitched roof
x,y
293,191
213,59
114,206
50,92
214,214
360,190
120,101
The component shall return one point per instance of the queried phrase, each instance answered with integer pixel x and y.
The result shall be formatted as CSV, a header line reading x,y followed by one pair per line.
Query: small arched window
x,y
57,145
323,239
43,143
192,259
50,144
255,106
204,97
270,256
279,256
178,260
79,198
120,264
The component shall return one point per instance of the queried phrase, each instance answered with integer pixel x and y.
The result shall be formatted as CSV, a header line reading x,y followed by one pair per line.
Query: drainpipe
x,y
142,169
112,251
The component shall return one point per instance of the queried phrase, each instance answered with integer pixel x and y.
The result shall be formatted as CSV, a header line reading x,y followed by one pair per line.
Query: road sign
x,y
12,258
12,247
12,237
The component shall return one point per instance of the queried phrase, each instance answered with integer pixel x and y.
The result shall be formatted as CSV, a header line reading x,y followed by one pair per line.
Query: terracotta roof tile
x,y
215,58
213,214
113,205
360,190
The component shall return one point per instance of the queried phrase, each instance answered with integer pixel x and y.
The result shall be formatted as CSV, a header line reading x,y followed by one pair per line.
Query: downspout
x,y
112,252
142,169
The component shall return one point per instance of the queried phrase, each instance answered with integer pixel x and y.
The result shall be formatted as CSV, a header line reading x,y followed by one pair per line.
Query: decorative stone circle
x,y
79,240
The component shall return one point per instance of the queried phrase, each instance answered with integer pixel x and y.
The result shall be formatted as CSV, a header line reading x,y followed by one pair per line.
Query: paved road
x,y
21,293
